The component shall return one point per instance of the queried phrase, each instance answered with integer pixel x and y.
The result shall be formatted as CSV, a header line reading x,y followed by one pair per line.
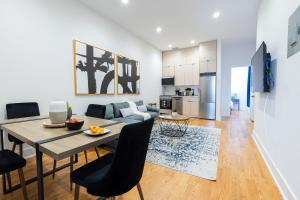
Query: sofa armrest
x,y
151,109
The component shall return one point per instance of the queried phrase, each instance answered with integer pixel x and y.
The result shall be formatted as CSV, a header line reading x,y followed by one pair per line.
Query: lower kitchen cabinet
x,y
191,106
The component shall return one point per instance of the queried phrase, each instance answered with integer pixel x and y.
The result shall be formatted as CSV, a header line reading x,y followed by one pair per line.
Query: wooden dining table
x,y
58,143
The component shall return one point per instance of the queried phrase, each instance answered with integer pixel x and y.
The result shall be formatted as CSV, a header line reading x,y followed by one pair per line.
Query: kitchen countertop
x,y
186,96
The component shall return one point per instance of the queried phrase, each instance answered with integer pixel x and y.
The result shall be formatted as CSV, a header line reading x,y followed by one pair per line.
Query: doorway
x,y
239,88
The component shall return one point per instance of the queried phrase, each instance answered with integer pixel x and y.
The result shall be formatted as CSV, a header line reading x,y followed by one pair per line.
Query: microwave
x,y
168,81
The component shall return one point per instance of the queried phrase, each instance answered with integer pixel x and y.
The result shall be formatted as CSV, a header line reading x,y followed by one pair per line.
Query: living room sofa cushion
x,y
139,103
117,107
153,114
125,120
152,109
136,117
95,110
126,112
109,112
142,108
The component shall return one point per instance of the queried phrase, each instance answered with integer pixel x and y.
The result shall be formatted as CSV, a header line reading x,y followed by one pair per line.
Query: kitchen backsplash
x,y
170,90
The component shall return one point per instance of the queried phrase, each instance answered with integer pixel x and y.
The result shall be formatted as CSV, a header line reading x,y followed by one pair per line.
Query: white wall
x,y
276,115
235,53
36,54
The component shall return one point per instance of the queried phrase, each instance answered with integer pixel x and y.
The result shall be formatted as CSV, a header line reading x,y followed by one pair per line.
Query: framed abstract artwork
x,y
128,76
94,70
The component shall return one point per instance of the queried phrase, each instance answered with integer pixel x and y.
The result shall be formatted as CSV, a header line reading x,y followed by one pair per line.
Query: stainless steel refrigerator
x,y
207,95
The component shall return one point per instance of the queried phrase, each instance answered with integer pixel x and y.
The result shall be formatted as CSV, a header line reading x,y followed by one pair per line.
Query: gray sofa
x,y
113,112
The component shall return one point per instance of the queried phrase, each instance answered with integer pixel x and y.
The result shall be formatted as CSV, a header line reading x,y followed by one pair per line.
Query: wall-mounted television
x,y
261,80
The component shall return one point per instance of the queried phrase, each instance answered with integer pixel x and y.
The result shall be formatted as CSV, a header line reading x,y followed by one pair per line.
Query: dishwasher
x,y
177,105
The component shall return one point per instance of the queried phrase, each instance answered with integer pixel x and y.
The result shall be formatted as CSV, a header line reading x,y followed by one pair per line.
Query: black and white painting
x,y
128,76
94,70
294,33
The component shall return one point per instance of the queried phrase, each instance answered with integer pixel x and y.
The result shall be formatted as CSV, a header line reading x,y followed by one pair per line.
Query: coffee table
x,y
173,125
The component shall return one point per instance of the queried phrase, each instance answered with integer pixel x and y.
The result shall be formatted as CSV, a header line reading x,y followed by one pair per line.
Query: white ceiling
x,y
182,20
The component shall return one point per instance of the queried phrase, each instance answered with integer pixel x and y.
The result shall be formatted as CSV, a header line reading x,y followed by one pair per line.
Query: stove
x,y
165,104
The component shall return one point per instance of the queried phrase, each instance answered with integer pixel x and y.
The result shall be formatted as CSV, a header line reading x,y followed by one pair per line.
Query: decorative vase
x,y
58,112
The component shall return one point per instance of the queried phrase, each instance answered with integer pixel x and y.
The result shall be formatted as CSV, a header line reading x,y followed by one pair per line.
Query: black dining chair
x,y
10,161
116,173
20,110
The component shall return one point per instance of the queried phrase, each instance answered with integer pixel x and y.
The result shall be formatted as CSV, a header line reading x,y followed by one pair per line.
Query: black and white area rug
x,y
195,153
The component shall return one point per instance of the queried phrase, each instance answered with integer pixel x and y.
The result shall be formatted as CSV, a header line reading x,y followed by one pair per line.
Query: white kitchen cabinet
x,y
196,74
208,66
208,56
191,106
187,75
191,55
179,75
168,58
208,50
168,71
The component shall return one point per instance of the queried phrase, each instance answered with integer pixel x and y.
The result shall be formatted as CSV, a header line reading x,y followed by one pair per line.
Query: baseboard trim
x,y
280,181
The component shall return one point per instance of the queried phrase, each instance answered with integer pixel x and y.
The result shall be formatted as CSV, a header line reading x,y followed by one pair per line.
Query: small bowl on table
x,y
74,124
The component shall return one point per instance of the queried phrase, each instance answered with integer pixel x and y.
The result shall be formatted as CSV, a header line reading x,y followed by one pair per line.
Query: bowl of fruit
x,y
74,124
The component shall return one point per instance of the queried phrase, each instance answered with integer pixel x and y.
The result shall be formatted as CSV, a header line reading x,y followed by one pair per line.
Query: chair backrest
x,y
128,164
95,110
19,110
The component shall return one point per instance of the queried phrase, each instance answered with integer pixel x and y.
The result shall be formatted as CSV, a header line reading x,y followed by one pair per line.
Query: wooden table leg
x,y
71,170
40,178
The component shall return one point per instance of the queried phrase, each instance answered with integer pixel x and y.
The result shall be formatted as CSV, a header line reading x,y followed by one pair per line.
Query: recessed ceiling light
x,y
125,2
170,46
158,29
192,42
216,15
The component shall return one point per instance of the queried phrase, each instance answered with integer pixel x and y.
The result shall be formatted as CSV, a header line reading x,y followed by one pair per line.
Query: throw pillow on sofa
x,y
142,108
126,112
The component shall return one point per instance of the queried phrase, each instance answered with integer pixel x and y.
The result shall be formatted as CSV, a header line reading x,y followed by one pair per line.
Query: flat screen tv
x,y
261,80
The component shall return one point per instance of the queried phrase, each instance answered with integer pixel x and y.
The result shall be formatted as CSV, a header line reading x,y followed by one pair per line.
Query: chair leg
x,y
22,180
21,149
54,168
9,180
77,189
14,146
86,158
140,191
97,152
71,170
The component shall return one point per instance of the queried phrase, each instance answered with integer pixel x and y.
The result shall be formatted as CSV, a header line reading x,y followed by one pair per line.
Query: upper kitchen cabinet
x,y
187,75
208,56
180,75
190,56
168,71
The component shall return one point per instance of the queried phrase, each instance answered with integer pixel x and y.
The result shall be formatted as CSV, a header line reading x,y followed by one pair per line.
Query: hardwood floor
x,y
242,173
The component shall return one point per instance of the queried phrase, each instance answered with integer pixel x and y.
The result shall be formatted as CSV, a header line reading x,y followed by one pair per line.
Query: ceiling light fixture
x,y
125,2
158,29
192,42
216,15
170,46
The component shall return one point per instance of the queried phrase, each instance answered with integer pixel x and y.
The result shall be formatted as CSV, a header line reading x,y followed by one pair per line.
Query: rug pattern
x,y
195,153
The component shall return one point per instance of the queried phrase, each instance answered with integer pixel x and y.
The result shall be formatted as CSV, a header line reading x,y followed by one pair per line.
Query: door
x,y
207,105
